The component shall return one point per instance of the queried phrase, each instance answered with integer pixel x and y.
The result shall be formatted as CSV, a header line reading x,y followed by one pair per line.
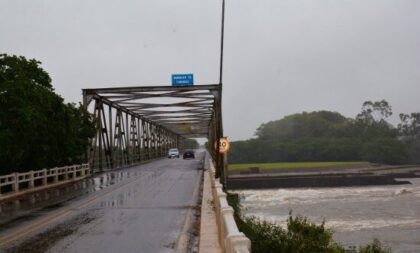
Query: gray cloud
x,y
281,57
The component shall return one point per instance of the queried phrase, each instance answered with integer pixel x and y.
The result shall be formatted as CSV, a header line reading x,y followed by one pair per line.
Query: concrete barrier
x,y
16,184
231,240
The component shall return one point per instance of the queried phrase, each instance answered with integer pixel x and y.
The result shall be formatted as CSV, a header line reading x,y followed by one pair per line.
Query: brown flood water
x,y
356,214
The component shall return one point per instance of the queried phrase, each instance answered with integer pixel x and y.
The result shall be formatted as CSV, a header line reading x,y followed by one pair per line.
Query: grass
x,y
293,165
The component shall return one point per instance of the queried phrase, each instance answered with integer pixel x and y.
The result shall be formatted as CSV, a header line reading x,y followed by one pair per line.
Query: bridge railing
x,y
231,239
20,183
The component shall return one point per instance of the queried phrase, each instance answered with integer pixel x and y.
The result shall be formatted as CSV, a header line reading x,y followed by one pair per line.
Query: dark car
x,y
188,154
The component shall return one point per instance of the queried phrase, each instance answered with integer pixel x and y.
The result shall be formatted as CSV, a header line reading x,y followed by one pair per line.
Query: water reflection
x,y
41,201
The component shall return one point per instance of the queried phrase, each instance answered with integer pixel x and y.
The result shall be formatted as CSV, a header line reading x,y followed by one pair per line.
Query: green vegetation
x,y
301,235
375,247
409,130
37,129
294,165
191,144
328,136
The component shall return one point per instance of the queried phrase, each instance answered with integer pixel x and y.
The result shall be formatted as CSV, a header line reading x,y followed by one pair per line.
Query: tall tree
x,y
37,129
409,130
410,124
376,111
371,121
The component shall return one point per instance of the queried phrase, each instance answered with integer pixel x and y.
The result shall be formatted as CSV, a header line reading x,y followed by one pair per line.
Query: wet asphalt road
x,y
138,209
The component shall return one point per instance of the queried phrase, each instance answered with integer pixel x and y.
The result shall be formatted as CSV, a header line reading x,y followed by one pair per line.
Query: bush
x,y
413,149
301,235
385,150
375,247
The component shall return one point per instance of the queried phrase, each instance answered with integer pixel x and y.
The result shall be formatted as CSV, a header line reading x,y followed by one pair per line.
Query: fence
x,y
231,240
16,184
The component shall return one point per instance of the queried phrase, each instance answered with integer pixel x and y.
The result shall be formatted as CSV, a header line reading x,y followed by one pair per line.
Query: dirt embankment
x,y
322,177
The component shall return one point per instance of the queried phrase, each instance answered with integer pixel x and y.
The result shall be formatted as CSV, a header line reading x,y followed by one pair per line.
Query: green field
x,y
269,166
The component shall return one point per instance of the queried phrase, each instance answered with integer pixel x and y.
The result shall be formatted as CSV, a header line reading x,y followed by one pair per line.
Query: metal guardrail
x,y
231,240
19,183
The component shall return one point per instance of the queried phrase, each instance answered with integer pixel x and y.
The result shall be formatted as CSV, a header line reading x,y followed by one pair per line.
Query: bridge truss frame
x,y
137,124
153,132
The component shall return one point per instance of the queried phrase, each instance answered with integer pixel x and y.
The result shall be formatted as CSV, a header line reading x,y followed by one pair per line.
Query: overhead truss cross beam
x,y
135,124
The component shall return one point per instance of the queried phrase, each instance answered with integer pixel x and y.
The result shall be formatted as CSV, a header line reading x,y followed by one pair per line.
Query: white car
x,y
173,152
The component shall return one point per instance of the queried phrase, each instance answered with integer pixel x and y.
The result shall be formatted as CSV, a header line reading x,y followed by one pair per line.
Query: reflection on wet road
x,y
138,209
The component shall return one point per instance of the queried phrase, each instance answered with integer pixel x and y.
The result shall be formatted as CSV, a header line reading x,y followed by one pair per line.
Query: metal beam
x,y
140,124
151,88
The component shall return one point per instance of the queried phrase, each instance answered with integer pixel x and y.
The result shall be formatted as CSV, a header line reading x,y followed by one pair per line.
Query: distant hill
x,y
329,136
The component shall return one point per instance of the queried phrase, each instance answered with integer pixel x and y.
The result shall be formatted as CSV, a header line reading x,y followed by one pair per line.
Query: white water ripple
x,y
317,195
391,213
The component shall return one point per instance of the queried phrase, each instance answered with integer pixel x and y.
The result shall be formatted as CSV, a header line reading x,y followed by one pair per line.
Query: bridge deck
x,y
140,209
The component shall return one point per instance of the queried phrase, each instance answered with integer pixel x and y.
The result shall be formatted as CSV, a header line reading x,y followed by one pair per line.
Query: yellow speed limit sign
x,y
224,145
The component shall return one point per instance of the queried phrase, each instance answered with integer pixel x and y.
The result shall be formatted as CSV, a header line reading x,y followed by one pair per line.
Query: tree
x,y
371,121
374,112
328,136
37,129
409,130
385,150
410,125
191,144
300,125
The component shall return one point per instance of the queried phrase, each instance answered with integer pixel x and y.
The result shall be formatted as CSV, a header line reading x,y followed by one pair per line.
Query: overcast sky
x,y
281,57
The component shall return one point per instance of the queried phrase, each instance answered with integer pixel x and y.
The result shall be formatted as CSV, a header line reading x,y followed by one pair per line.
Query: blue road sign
x,y
182,80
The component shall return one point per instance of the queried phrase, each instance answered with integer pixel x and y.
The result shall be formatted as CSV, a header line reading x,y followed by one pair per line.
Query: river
x,y
356,214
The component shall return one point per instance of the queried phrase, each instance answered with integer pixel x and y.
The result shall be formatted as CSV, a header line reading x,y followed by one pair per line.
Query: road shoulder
x,y
209,240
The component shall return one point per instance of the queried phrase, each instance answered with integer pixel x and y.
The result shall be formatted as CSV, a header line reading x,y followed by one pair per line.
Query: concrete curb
x,y
230,239
209,238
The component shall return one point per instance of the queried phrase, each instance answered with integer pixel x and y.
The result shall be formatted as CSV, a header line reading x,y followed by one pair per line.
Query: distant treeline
x,y
329,136
191,144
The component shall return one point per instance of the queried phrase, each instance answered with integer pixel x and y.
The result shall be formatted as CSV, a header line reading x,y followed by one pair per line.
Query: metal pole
x,y
221,43
99,124
220,157
111,136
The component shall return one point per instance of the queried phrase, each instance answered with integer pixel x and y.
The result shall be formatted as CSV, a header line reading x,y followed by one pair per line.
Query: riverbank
x,y
322,177
300,235
284,166
357,215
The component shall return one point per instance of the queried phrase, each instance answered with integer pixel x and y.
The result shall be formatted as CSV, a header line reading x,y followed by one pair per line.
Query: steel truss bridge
x,y
137,124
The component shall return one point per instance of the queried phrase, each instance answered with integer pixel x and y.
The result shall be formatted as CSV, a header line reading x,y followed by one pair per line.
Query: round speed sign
x,y
224,145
